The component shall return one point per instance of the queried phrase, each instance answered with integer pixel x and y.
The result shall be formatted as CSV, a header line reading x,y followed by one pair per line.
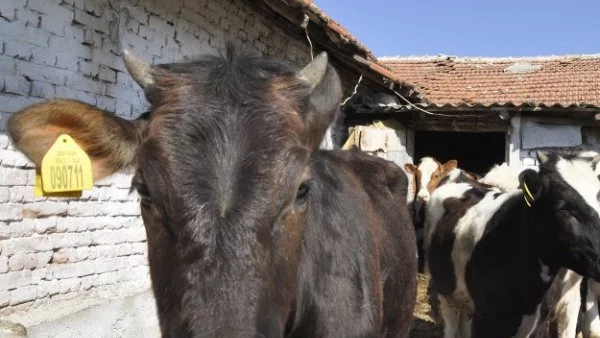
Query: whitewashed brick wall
x,y
62,49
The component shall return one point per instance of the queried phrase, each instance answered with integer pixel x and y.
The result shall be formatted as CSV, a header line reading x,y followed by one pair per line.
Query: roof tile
x,y
544,81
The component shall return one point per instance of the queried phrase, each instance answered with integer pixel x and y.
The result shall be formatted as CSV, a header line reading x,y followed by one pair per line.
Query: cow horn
x,y
313,73
542,156
139,70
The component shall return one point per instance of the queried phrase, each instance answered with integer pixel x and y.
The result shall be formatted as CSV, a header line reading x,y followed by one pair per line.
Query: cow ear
x,y
542,156
450,165
324,99
410,168
111,142
530,183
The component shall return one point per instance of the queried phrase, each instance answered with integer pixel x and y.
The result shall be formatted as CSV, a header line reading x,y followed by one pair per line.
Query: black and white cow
x,y
492,255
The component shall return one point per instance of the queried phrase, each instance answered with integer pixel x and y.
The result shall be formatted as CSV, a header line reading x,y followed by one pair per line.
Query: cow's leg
x,y
464,322
592,321
450,316
567,309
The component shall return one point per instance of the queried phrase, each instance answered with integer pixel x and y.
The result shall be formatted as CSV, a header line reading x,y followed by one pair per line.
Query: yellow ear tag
x,y
66,168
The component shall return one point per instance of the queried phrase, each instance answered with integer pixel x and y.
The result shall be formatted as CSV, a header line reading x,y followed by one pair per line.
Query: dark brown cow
x,y
251,231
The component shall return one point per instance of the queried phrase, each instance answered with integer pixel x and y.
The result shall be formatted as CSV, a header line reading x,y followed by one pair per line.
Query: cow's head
x,y
223,176
564,195
428,175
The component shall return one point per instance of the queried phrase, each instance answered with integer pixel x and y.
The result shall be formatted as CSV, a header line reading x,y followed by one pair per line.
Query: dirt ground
x,y
424,326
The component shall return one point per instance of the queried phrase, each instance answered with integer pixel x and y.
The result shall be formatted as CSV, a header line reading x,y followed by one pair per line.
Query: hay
x,y
424,326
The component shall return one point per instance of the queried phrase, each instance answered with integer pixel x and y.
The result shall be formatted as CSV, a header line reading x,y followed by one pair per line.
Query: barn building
x,y
485,111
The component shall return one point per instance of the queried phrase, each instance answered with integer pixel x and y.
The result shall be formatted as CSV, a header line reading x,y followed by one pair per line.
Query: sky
x,y
488,28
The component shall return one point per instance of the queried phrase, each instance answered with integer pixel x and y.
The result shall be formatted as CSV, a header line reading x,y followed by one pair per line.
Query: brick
x,y
4,193
65,255
146,32
75,47
15,279
68,93
107,74
123,108
67,62
88,68
26,245
88,282
41,72
4,233
10,158
21,194
45,225
22,295
91,21
24,33
18,49
3,264
14,84
121,92
67,240
42,57
136,260
11,176
8,65
52,8
47,288
92,38
106,251
108,237
28,17
195,5
106,278
21,229
69,285
10,212
138,14
160,25
106,104
107,58
16,262
4,298
132,26
71,270
52,25
85,84
82,253
42,90
44,208
43,258
8,8
13,103
137,273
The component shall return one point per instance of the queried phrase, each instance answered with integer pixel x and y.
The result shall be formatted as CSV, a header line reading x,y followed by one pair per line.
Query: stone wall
x,y
58,248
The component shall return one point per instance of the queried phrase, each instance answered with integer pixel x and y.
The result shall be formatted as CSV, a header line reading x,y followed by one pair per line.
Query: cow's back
x,y
387,185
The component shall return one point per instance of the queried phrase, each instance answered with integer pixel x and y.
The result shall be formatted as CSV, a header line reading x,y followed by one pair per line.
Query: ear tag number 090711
x,y
66,170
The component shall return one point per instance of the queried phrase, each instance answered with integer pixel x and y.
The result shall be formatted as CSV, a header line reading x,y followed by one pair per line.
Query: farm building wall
x,y
58,248
526,137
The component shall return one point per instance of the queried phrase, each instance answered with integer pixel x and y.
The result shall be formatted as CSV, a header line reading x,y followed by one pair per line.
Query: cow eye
x,y
302,192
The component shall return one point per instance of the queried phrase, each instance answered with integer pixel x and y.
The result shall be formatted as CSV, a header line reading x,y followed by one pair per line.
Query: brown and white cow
x,y
252,232
425,178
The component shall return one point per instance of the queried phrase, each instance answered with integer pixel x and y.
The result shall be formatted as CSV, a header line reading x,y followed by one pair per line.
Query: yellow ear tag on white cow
x,y
65,168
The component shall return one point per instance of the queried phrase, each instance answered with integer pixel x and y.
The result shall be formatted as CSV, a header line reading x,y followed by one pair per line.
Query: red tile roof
x,y
538,81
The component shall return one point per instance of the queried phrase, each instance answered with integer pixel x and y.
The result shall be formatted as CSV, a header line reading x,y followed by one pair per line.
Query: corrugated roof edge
x,y
502,105
428,58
